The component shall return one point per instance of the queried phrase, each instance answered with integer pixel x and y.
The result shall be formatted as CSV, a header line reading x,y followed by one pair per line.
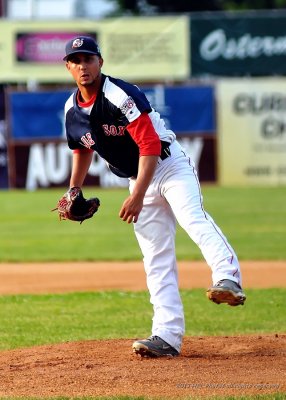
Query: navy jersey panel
x,y
77,126
105,129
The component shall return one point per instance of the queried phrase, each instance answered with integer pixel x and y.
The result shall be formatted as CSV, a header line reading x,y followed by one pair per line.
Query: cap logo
x,y
77,43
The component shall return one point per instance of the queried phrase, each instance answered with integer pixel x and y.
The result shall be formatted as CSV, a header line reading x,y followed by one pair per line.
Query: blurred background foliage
x,y
147,7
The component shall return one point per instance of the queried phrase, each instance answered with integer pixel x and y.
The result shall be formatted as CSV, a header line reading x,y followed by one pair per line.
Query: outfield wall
x,y
251,126
218,79
234,129
150,49
39,156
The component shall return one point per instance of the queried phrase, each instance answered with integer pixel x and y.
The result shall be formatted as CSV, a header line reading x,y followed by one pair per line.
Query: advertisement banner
x,y
43,47
37,115
3,143
187,110
252,131
40,155
238,44
145,49
42,165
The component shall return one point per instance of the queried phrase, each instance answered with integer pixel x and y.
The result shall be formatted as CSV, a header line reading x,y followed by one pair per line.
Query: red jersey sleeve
x,y
143,133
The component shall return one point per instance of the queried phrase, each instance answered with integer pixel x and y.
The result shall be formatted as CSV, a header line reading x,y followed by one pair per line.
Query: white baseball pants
x,y
175,194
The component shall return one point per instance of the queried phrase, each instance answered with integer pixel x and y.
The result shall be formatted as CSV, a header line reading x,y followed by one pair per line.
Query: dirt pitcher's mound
x,y
207,366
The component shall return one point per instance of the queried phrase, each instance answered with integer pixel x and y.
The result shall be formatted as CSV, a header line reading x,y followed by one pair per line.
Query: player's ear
x,y
67,66
101,62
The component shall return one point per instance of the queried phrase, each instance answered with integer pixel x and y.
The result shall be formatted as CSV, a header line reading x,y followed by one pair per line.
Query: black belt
x,y
165,153
165,150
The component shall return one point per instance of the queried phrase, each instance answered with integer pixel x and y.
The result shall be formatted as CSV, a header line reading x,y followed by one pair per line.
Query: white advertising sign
x,y
251,130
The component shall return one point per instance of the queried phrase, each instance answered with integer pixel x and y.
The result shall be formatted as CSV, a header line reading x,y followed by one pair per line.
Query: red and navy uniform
x,y
119,124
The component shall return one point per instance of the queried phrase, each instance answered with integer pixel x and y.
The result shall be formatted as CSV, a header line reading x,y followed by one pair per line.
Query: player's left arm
x,y
133,205
80,164
148,141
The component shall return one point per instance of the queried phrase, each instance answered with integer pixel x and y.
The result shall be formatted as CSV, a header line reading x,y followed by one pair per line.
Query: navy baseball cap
x,y
82,44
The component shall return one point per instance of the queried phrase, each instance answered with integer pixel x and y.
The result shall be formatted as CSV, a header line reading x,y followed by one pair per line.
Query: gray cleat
x,y
226,291
154,346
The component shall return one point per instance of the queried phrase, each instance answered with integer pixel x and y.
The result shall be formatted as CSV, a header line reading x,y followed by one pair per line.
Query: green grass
x,y
28,320
253,219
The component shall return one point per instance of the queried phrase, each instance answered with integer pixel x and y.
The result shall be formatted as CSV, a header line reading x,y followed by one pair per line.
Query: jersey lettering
x,y
87,140
112,130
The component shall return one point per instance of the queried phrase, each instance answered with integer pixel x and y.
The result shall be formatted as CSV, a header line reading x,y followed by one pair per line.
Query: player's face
x,y
84,68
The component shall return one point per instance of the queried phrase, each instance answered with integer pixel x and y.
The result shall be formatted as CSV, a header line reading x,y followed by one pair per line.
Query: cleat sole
x,y
220,295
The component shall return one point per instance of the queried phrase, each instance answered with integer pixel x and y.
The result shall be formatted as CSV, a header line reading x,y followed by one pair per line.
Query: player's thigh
x,y
156,225
183,193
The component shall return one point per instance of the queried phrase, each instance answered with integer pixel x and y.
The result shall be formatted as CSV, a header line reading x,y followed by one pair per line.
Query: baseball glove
x,y
75,207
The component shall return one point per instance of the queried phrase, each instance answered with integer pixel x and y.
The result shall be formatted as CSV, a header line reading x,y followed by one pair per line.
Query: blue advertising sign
x,y
37,115
37,125
3,144
187,110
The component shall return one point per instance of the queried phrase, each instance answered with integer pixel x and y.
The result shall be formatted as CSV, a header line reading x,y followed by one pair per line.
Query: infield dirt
x,y
253,364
